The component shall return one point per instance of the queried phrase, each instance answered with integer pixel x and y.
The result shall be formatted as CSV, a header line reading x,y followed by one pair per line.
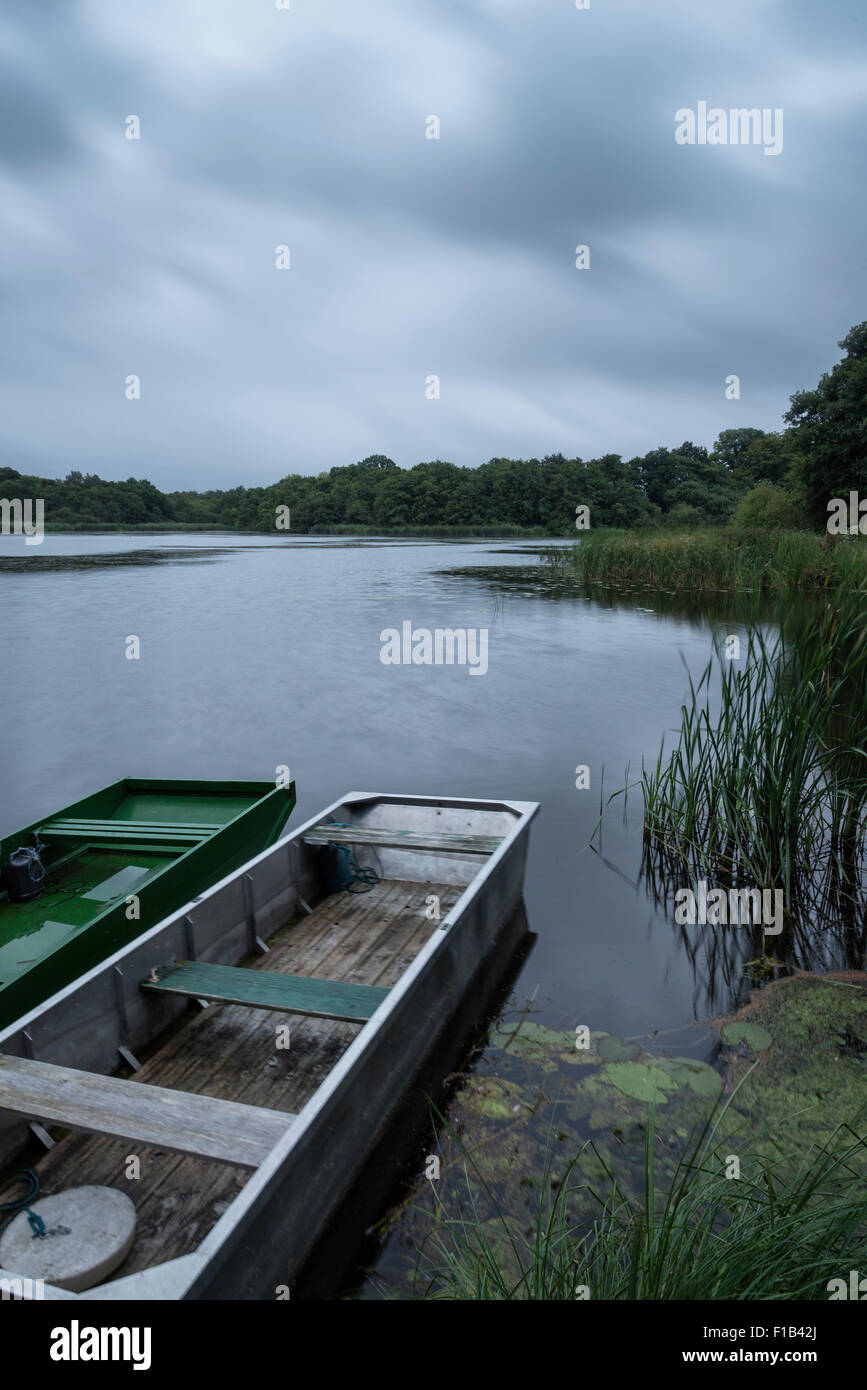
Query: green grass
x,y
714,560
773,1233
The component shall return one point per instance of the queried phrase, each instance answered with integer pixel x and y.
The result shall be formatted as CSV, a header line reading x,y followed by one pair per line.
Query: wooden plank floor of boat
x,y
228,1051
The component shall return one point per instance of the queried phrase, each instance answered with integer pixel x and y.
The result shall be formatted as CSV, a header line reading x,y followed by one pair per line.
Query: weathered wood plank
x,y
402,839
220,1130
268,989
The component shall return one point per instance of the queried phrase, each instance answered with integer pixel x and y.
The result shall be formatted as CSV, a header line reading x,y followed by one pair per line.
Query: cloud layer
x,y
409,256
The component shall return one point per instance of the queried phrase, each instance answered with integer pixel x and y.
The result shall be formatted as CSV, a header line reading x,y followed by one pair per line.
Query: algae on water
x,y
791,1065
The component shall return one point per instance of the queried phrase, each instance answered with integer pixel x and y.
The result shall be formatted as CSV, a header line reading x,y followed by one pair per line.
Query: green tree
x,y
732,446
769,508
771,459
831,425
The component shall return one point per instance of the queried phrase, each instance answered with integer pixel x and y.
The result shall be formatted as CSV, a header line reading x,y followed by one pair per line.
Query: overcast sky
x,y
410,256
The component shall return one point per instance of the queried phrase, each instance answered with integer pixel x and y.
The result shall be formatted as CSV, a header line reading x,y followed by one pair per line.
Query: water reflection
x,y
823,931
543,582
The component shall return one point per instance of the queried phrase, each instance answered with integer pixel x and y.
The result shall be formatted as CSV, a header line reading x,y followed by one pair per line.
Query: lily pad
x,y
614,1049
530,1041
753,1034
647,1083
686,1071
583,1056
505,1137
509,1035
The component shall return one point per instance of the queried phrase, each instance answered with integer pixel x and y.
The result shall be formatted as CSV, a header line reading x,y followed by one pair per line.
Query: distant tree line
x,y
752,476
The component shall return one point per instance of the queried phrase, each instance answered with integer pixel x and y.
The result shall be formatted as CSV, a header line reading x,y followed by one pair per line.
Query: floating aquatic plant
x,y
614,1049
753,1034
772,1235
647,1083
613,1177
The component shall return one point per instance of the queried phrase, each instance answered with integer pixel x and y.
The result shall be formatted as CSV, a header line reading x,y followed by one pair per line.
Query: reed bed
x,y
713,560
504,531
766,785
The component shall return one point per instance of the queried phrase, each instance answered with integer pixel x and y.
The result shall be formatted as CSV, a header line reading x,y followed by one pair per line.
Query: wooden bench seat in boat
x,y
268,989
326,834
121,831
224,1131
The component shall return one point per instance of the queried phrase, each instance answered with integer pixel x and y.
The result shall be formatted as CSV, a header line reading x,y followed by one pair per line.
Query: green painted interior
x,y
119,884
173,807
31,931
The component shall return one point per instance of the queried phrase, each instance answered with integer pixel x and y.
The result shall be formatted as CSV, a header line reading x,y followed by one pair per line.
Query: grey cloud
x,y
413,256
32,131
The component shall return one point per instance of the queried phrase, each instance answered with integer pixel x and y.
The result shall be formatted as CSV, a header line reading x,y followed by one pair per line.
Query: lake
x,y
258,652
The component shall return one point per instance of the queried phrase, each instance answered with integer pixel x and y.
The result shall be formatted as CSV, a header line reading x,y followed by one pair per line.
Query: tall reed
x,y
766,785
713,560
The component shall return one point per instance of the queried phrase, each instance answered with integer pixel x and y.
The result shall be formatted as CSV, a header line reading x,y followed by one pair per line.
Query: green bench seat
x,y
268,989
124,832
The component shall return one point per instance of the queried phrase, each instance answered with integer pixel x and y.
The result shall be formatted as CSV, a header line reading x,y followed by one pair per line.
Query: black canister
x,y
24,875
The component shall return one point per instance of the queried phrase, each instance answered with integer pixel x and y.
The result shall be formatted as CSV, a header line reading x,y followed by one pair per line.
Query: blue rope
x,y
363,879
37,1225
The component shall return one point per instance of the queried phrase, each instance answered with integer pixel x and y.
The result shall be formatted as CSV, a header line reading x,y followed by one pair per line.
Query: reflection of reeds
x,y
766,786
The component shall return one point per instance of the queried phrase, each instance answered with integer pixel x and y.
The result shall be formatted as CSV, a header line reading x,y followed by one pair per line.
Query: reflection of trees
x,y
542,581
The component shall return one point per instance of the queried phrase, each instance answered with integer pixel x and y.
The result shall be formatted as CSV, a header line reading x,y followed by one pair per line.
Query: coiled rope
x,y
362,878
16,1204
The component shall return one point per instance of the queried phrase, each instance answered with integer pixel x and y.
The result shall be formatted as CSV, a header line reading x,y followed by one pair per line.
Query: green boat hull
x,y
119,861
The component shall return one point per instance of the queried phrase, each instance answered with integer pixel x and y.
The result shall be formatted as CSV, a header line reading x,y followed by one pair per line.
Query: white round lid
x,y
88,1232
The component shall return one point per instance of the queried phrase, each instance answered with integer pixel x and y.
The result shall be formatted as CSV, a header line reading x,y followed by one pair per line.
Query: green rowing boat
x,y
82,883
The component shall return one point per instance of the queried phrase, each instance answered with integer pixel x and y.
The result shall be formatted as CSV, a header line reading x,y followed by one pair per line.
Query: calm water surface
x,y
259,652
256,653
